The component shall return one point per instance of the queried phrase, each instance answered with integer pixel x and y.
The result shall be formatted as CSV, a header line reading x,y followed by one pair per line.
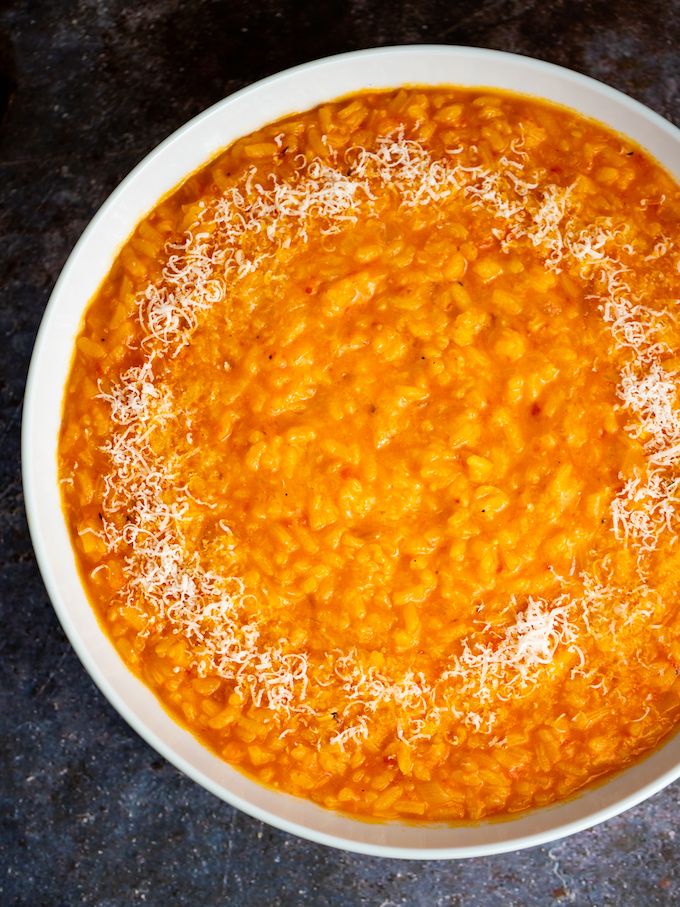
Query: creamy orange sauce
x,y
370,454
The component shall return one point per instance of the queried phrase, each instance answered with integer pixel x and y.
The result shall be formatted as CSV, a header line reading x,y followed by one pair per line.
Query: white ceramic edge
x,y
323,79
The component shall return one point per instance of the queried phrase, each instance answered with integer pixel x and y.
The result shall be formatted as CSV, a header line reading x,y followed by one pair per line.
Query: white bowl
x,y
295,90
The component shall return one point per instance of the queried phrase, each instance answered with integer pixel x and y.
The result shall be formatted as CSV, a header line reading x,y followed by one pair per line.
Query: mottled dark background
x,y
89,814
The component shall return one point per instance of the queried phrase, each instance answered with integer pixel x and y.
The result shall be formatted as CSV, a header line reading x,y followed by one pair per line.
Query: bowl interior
x,y
294,90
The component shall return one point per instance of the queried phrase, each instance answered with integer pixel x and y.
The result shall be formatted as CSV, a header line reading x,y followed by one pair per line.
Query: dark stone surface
x,y
89,814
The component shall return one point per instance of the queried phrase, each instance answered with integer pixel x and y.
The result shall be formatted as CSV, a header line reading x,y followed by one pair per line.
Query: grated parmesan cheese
x,y
238,234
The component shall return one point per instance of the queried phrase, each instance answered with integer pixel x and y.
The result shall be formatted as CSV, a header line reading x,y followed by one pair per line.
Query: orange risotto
x,y
371,454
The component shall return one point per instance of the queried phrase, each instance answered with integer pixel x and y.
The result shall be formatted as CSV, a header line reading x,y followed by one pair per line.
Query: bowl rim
x,y
31,430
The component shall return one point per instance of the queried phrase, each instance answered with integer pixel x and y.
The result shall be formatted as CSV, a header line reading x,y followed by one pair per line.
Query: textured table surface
x,y
89,813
